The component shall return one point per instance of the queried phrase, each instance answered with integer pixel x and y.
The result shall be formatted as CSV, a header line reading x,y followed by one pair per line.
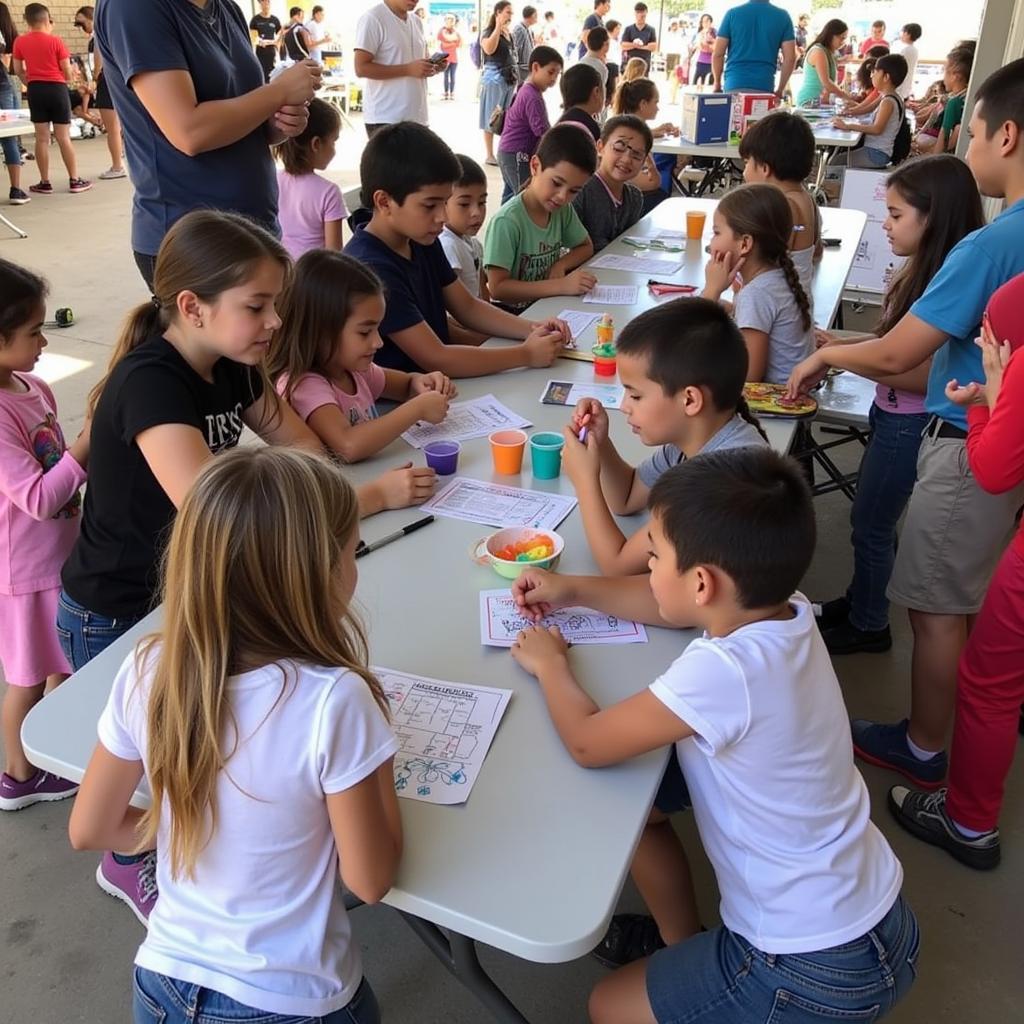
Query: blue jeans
x,y
158,999
515,173
718,977
887,474
84,634
9,101
449,78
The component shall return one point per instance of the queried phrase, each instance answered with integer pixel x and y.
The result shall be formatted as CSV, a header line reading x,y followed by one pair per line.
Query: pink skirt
x,y
29,647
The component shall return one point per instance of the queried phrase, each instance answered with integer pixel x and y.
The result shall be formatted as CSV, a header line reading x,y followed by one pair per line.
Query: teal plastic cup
x,y
546,455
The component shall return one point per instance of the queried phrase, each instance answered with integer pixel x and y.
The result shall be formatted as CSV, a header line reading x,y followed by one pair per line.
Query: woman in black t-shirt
x,y
498,80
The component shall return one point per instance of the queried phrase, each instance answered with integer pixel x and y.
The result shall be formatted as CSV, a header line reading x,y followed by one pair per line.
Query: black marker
x,y
362,548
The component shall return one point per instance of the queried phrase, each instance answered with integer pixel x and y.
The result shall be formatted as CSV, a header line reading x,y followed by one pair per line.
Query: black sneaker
x,y
831,613
43,188
16,197
629,937
847,639
924,815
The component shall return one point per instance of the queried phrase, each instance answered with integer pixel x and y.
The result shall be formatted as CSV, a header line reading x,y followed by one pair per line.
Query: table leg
x,y
458,954
13,227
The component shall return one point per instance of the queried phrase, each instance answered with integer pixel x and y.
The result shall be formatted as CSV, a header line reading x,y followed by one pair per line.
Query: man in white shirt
x,y
318,34
909,35
391,54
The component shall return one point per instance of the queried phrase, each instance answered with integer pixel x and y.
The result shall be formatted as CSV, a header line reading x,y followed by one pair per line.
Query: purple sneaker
x,y
134,883
40,788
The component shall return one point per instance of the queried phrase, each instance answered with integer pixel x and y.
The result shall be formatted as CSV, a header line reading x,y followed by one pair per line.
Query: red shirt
x,y
869,42
41,53
995,438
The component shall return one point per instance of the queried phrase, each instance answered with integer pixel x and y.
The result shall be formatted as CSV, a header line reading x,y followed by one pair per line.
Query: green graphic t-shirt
x,y
525,250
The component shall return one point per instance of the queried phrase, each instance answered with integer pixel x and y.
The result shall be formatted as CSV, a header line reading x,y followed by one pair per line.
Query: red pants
x,y
990,690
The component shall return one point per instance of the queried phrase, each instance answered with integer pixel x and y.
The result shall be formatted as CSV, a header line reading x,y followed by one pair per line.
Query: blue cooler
x,y
706,117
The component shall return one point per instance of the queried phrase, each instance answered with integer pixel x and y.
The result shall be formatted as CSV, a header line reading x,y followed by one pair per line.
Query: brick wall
x,y
63,15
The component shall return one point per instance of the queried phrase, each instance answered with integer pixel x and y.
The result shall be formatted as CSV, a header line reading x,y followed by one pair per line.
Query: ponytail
x,y
793,280
631,93
207,253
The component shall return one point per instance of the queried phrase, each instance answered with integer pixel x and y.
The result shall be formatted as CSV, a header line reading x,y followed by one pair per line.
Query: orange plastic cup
x,y
507,447
695,224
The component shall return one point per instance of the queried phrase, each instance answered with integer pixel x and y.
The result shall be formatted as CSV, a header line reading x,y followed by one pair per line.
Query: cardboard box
x,y
706,117
748,107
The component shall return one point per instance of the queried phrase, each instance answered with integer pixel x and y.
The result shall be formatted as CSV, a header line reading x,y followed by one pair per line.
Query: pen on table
x,y
668,286
364,549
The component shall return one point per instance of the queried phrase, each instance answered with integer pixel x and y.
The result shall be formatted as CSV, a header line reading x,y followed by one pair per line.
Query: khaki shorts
x,y
953,536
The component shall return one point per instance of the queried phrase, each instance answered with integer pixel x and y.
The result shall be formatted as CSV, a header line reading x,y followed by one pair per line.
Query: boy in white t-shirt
x,y
810,890
464,215
909,35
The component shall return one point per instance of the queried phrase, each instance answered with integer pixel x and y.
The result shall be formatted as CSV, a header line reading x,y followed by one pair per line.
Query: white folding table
x,y
7,130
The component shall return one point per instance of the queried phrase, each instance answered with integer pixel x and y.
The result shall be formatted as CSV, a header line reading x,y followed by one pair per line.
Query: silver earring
x,y
199,323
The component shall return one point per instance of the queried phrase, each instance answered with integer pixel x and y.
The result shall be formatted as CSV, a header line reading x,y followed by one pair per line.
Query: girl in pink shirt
x,y
321,361
310,208
40,510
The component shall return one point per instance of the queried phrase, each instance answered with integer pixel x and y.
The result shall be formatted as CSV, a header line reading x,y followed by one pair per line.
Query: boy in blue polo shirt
x,y
753,34
407,175
954,531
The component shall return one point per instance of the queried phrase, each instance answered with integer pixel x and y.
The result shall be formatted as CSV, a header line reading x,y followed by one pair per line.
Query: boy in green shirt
x,y
536,241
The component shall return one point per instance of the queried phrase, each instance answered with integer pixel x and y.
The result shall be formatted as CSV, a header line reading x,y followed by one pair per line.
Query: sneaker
x,y
40,788
491,161
134,883
924,815
831,613
886,746
629,937
848,639
16,197
113,173
79,185
44,188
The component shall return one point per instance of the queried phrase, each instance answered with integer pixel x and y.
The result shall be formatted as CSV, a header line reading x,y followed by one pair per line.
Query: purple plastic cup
x,y
442,456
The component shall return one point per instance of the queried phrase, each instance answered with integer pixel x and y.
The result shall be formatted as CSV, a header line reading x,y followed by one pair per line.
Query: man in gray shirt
x,y
522,42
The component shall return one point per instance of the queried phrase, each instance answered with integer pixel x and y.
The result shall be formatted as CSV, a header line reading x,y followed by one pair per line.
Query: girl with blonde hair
x,y
264,739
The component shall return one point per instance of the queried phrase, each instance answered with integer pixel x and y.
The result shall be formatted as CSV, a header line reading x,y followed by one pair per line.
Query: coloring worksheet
x,y
475,417
476,501
501,622
444,731
639,264
578,320
612,294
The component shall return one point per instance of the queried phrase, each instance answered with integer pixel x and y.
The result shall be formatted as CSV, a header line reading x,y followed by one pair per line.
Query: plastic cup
x,y
695,224
546,455
507,447
442,456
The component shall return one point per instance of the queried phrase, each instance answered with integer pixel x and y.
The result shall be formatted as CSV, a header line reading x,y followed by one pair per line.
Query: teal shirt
x,y
756,31
812,85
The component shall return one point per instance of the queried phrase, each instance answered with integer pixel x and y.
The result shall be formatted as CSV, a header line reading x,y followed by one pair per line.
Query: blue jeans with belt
x,y
9,100
158,999
887,474
84,634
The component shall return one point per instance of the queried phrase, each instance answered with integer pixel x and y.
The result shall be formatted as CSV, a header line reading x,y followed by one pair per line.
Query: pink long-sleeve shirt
x,y
40,507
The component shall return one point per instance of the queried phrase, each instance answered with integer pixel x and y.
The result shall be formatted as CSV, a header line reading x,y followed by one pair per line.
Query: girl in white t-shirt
x,y
751,231
813,923
264,739
321,362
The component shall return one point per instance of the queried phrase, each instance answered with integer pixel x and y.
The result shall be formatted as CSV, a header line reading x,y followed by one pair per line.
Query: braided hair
x,y
763,212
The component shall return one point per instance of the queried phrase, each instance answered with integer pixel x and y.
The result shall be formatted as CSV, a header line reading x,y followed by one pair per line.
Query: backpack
x,y
901,144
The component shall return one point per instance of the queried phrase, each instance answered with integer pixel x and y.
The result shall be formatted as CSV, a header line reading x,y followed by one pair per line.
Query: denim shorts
x,y
718,977
158,999
672,796
84,634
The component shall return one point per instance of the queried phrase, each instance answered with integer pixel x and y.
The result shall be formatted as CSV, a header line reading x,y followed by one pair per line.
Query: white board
x,y
874,264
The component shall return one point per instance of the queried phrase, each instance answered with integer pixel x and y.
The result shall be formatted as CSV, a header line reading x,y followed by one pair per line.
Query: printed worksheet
x,y
475,417
578,320
476,501
444,731
613,294
668,241
501,622
567,392
639,264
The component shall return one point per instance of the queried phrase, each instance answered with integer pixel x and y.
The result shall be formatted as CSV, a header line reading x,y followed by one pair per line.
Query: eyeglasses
x,y
621,146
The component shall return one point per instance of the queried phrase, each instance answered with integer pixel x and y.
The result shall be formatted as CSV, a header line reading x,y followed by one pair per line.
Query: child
x,y
779,150
527,120
39,516
639,96
752,227
321,360
909,35
635,68
867,99
596,56
310,208
964,820
880,136
955,78
582,98
683,366
266,745
464,215
396,234
810,890
525,250
610,203
42,62
954,532
933,203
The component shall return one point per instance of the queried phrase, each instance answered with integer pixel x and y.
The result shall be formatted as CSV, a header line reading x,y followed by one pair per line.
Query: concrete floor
x,y
69,947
